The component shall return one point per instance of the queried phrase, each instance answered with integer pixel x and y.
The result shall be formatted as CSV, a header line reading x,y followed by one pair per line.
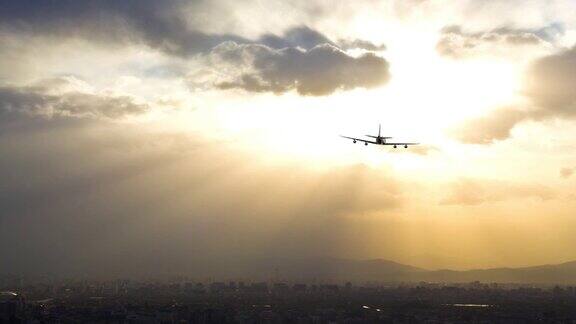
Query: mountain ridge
x,y
388,270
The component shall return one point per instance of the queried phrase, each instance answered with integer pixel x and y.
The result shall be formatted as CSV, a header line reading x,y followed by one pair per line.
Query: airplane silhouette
x,y
379,140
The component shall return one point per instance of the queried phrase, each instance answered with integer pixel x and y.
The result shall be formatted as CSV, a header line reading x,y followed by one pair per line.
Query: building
x,y
12,307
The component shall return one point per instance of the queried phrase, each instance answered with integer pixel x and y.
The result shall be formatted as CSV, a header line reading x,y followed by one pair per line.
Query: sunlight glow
x,y
449,91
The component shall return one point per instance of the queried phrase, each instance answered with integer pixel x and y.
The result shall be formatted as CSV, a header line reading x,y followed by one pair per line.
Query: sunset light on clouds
x,y
195,131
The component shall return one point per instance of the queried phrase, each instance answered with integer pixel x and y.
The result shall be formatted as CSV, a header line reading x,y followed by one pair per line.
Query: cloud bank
x,y
318,71
456,43
550,87
301,58
66,96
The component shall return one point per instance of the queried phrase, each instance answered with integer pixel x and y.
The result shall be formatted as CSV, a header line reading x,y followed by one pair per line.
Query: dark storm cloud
x,y
52,98
319,71
549,84
454,42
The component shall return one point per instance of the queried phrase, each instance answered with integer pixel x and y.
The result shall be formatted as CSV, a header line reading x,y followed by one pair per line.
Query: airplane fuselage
x,y
378,140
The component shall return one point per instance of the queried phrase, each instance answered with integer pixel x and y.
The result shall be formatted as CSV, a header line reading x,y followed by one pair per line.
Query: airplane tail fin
x,y
379,133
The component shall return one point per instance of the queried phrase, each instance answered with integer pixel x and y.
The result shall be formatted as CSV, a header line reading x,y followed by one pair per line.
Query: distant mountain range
x,y
564,273
388,271
327,269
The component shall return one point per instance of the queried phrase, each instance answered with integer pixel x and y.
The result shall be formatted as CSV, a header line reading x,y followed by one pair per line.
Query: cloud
x,y
308,38
360,44
456,43
550,87
158,25
320,70
469,192
302,36
300,58
66,97
163,26
490,128
551,84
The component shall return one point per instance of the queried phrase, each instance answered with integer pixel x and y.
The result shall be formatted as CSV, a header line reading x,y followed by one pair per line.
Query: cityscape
x,y
185,300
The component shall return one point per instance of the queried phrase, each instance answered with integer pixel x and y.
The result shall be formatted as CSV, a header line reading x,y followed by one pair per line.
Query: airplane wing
x,y
359,139
400,144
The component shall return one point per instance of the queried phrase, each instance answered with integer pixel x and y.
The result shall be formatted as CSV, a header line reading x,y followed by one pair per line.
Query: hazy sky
x,y
144,135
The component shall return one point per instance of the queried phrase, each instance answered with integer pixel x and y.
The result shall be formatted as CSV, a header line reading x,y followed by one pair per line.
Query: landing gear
x,y
405,146
395,146
354,141
366,144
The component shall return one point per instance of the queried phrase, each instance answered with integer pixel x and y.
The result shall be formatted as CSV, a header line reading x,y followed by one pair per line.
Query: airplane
x,y
379,140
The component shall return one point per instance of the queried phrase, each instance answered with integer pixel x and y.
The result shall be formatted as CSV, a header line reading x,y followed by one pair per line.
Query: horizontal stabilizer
x,y
377,136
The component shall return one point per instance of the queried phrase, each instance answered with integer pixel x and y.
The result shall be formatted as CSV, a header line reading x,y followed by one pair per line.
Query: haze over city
x,y
194,137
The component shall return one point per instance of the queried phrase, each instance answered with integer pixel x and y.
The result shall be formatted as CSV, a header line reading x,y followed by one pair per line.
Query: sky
x,y
144,136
